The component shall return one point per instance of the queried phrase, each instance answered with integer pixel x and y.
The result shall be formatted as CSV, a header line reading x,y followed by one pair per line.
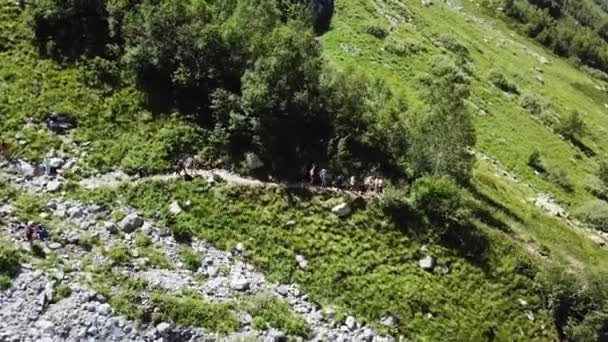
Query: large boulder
x,y
427,263
130,223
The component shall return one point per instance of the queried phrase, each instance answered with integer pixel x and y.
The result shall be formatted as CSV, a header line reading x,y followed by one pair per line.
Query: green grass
x,y
119,254
271,312
9,263
190,258
194,311
366,264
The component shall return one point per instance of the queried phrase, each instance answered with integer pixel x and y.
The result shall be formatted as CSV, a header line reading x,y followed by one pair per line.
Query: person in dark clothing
x,y
43,234
30,231
141,172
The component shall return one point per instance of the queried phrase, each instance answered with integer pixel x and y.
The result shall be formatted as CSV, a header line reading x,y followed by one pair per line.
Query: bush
x,y
533,104
194,311
602,172
271,312
377,31
578,305
534,161
560,177
190,258
594,213
61,292
501,82
9,263
440,199
142,240
597,188
119,254
572,127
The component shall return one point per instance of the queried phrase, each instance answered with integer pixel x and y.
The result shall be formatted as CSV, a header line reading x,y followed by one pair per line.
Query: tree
x,y
572,127
442,139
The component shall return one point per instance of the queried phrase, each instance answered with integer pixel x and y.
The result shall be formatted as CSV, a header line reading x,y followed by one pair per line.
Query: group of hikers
x,y
325,178
35,231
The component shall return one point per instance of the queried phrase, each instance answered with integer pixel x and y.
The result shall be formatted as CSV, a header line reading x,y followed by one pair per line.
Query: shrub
x,y
271,312
194,311
377,31
602,171
534,161
596,187
533,104
119,254
190,258
560,177
578,305
9,263
572,127
501,82
594,213
142,240
61,292
439,198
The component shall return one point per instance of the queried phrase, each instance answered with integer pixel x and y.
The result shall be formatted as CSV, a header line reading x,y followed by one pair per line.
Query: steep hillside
x,y
495,149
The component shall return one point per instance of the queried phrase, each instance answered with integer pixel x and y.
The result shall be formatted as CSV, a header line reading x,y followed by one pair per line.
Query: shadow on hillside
x,y
486,216
464,239
586,150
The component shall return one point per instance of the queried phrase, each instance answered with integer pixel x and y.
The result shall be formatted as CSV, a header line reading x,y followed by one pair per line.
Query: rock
x,y
174,208
253,161
389,321
130,223
283,290
104,309
290,223
350,323
522,302
329,313
427,2
212,271
240,284
163,328
427,263
26,169
245,318
540,79
342,209
74,213
55,163
54,246
6,210
367,335
240,248
45,327
92,331
301,261
110,227
543,60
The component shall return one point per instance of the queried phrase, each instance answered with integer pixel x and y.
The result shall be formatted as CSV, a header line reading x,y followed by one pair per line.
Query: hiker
x,y
141,172
30,231
378,185
42,233
312,174
352,183
324,174
338,181
368,183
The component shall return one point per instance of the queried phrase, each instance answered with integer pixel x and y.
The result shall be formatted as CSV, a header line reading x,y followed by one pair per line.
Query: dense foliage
x,y
251,74
571,28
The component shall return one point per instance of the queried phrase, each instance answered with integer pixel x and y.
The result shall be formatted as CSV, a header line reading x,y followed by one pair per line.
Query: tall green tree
x,y
443,137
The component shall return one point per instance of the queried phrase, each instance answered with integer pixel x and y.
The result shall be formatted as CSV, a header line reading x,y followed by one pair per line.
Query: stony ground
x,y
28,311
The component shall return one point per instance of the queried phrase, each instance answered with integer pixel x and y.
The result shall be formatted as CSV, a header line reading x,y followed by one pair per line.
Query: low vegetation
x,y
191,310
269,312
9,263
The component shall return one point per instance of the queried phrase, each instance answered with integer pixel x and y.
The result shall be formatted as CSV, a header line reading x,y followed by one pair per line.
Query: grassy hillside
x,y
367,264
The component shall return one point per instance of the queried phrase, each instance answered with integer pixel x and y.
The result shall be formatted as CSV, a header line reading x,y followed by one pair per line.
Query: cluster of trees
x,y
251,73
571,28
